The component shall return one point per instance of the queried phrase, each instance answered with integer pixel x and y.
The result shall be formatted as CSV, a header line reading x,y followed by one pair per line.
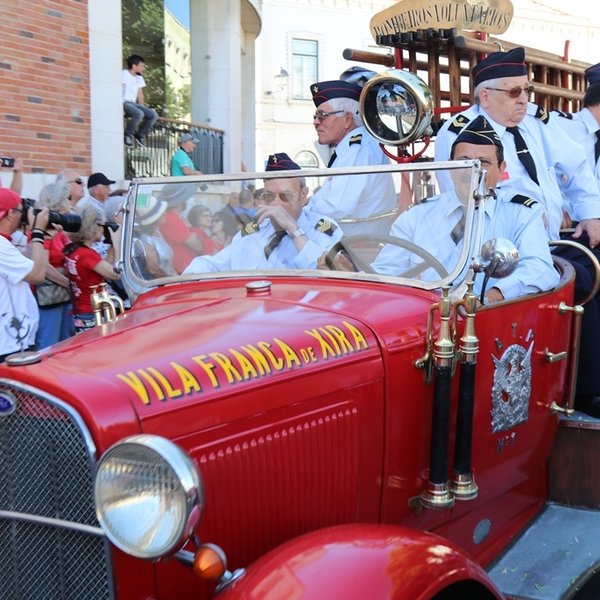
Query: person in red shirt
x,y
185,243
85,267
200,219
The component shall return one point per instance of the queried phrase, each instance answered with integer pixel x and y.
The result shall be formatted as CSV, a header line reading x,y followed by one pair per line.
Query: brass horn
x,y
104,305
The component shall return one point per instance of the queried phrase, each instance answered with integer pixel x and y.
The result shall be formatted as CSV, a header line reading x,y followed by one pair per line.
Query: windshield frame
x,y
136,286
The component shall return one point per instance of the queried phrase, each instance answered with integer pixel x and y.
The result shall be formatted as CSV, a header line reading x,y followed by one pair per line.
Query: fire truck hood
x,y
187,345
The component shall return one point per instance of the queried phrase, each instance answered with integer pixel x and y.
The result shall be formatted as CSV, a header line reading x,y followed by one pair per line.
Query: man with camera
x,y
19,315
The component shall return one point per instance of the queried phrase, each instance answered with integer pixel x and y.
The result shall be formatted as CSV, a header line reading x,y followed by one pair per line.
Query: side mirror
x,y
499,258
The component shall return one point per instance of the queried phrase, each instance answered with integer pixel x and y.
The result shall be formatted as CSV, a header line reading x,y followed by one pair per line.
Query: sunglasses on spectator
x,y
516,91
77,181
321,115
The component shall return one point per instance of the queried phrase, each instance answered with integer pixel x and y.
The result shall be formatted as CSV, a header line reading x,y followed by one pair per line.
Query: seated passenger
x,y
364,198
283,236
436,224
156,253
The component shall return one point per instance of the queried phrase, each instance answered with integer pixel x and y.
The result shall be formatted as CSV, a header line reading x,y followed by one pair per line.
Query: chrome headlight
x,y
397,107
149,496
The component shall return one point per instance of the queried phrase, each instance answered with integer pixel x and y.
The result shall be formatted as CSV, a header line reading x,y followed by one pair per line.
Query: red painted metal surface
x,y
303,409
361,561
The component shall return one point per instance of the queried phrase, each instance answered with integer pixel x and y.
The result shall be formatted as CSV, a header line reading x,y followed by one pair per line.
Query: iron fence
x,y
154,158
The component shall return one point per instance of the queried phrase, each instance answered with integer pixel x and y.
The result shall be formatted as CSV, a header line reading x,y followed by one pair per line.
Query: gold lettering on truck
x,y
248,362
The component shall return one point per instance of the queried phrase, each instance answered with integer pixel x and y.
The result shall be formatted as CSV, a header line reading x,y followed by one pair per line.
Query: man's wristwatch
x,y
299,232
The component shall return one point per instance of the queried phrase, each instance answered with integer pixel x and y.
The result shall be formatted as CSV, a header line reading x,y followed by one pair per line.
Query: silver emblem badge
x,y
511,389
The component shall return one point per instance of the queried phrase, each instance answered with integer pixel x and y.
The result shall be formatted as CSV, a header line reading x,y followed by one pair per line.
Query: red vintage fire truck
x,y
309,433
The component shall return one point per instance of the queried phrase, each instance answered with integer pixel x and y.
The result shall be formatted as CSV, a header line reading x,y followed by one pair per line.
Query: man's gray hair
x,y
490,83
347,105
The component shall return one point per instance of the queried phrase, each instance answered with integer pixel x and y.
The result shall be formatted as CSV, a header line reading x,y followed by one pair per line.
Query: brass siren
x,y
105,307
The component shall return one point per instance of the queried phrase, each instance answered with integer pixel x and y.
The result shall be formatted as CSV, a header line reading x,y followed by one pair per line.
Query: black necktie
x,y
523,153
332,159
274,242
597,147
458,231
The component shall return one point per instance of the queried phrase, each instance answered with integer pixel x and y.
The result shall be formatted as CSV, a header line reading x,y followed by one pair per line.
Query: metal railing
x,y
154,159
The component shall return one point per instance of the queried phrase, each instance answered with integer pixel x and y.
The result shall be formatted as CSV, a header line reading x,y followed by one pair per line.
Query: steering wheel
x,y
429,261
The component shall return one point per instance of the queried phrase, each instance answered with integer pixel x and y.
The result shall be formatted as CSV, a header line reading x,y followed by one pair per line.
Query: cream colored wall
x,y
105,87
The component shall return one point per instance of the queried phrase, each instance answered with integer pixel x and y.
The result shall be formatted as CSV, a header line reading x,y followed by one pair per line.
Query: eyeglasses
x,y
516,91
77,181
321,115
268,197
487,163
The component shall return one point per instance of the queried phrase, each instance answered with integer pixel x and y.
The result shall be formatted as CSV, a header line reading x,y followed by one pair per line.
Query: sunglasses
x,y
77,181
516,91
321,115
268,197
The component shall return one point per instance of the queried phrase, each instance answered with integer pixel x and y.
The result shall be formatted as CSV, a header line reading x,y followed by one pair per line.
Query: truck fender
x,y
364,561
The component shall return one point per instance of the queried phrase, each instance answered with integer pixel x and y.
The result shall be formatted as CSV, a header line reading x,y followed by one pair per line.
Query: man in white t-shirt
x,y
19,314
140,117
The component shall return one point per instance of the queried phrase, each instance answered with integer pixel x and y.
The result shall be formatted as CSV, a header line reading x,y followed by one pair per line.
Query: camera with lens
x,y
68,222
108,227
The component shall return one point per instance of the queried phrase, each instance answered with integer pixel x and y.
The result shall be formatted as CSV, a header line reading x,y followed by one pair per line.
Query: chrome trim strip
x,y
58,523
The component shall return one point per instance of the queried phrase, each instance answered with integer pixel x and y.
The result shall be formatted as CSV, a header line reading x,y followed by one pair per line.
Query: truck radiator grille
x,y
46,496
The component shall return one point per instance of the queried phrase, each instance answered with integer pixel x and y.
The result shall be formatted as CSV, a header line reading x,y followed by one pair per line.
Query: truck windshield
x,y
379,223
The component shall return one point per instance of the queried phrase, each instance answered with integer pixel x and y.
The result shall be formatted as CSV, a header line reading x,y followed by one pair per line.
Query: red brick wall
x,y
44,84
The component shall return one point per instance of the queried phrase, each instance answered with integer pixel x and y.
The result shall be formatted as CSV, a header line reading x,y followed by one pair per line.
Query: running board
x,y
553,558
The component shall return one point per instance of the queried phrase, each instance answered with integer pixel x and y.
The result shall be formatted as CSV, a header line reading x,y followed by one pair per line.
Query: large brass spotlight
x,y
397,107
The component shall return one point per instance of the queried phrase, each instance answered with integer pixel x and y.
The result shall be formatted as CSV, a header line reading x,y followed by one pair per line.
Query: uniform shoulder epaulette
x,y
524,200
250,228
325,226
562,113
458,123
542,114
355,139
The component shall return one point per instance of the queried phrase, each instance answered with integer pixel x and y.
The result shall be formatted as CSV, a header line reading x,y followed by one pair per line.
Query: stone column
x,y
216,40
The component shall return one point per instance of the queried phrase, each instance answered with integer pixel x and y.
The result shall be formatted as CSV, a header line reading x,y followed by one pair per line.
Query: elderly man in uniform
x,y
584,126
544,163
285,235
437,224
362,197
